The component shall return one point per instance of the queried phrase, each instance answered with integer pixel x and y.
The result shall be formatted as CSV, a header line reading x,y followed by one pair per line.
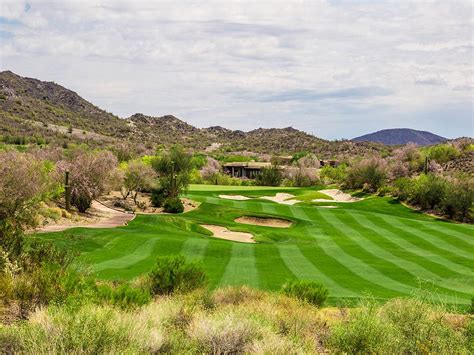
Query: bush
x,y
458,199
309,291
443,153
428,191
403,188
223,334
173,205
421,328
269,177
174,274
158,197
363,333
331,175
369,174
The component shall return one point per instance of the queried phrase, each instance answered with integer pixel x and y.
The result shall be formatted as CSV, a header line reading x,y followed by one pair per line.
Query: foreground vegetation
x,y
234,320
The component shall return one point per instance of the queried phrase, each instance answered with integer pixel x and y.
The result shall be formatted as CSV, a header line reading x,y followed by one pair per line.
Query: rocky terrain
x,y
34,111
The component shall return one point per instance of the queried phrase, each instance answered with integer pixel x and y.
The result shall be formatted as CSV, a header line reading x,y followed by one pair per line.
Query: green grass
x,y
312,195
375,246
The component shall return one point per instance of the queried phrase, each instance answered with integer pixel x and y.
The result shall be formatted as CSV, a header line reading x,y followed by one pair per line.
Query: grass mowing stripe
x,y
371,242
241,269
441,244
361,247
140,253
341,274
424,258
272,270
420,245
299,212
215,260
350,255
194,248
304,269
450,236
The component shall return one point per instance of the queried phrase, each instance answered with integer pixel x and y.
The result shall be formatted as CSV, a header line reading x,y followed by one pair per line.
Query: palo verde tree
x,y
173,168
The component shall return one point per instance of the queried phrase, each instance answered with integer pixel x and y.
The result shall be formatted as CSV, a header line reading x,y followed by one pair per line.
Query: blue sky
x,y
337,69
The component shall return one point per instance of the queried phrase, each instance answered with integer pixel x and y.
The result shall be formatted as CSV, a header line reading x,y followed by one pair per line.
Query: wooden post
x,y
67,192
426,165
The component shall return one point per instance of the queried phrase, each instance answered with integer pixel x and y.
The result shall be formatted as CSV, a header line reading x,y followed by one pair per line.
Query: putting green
x,y
375,246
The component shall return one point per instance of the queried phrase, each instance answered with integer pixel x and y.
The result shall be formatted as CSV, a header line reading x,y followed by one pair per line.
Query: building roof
x,y
250,164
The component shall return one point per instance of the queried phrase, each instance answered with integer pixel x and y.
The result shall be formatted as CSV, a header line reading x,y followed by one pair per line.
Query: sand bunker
x,y
264,221
235,197
282,198
338,196
224,233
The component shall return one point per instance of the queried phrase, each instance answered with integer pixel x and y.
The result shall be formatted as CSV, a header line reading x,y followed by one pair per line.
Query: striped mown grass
x,y
375,246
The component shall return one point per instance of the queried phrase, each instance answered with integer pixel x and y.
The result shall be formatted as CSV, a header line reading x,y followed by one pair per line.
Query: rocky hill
x,y
36,111
399,136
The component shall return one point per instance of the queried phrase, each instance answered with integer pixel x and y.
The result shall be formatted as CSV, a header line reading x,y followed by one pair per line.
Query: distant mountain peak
x,y
398,136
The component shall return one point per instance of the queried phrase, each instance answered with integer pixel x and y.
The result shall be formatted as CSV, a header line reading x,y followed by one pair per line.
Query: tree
x,y
173,168
24,182
90,176
138,177
459,198
211,170
428,191
269,177
370,174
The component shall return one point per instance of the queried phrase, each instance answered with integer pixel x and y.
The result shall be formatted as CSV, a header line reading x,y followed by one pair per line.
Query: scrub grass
x,y
240,320
375,246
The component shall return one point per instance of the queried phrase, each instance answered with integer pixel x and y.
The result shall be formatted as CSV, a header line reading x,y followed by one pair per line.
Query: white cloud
x,y
213,62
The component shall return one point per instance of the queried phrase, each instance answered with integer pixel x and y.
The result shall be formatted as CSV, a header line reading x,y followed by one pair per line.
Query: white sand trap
x,y
235,197
264,221
327,206
282,198
224,233
337,195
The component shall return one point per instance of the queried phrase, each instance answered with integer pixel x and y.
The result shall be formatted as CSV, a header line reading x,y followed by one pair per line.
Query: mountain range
x,y
31,109
397,136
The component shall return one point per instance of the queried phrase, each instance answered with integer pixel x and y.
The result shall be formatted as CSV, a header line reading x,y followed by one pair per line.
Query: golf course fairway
x,y
374,247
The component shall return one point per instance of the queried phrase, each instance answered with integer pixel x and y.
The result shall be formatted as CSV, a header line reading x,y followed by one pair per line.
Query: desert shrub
x,y
90,174
25,181
271,176
403,188
369,174
158,197
428,191
234,295
173,273
227,333
211,170
123,296
421,328
458,199
443,153
90,329
309,291
331,174
173,205
364,332
224,179
138,177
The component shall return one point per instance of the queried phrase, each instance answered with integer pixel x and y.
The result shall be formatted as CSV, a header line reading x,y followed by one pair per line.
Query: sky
x,y
336,69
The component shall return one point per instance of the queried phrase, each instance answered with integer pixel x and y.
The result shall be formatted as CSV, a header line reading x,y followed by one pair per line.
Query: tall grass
x,y
239,320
